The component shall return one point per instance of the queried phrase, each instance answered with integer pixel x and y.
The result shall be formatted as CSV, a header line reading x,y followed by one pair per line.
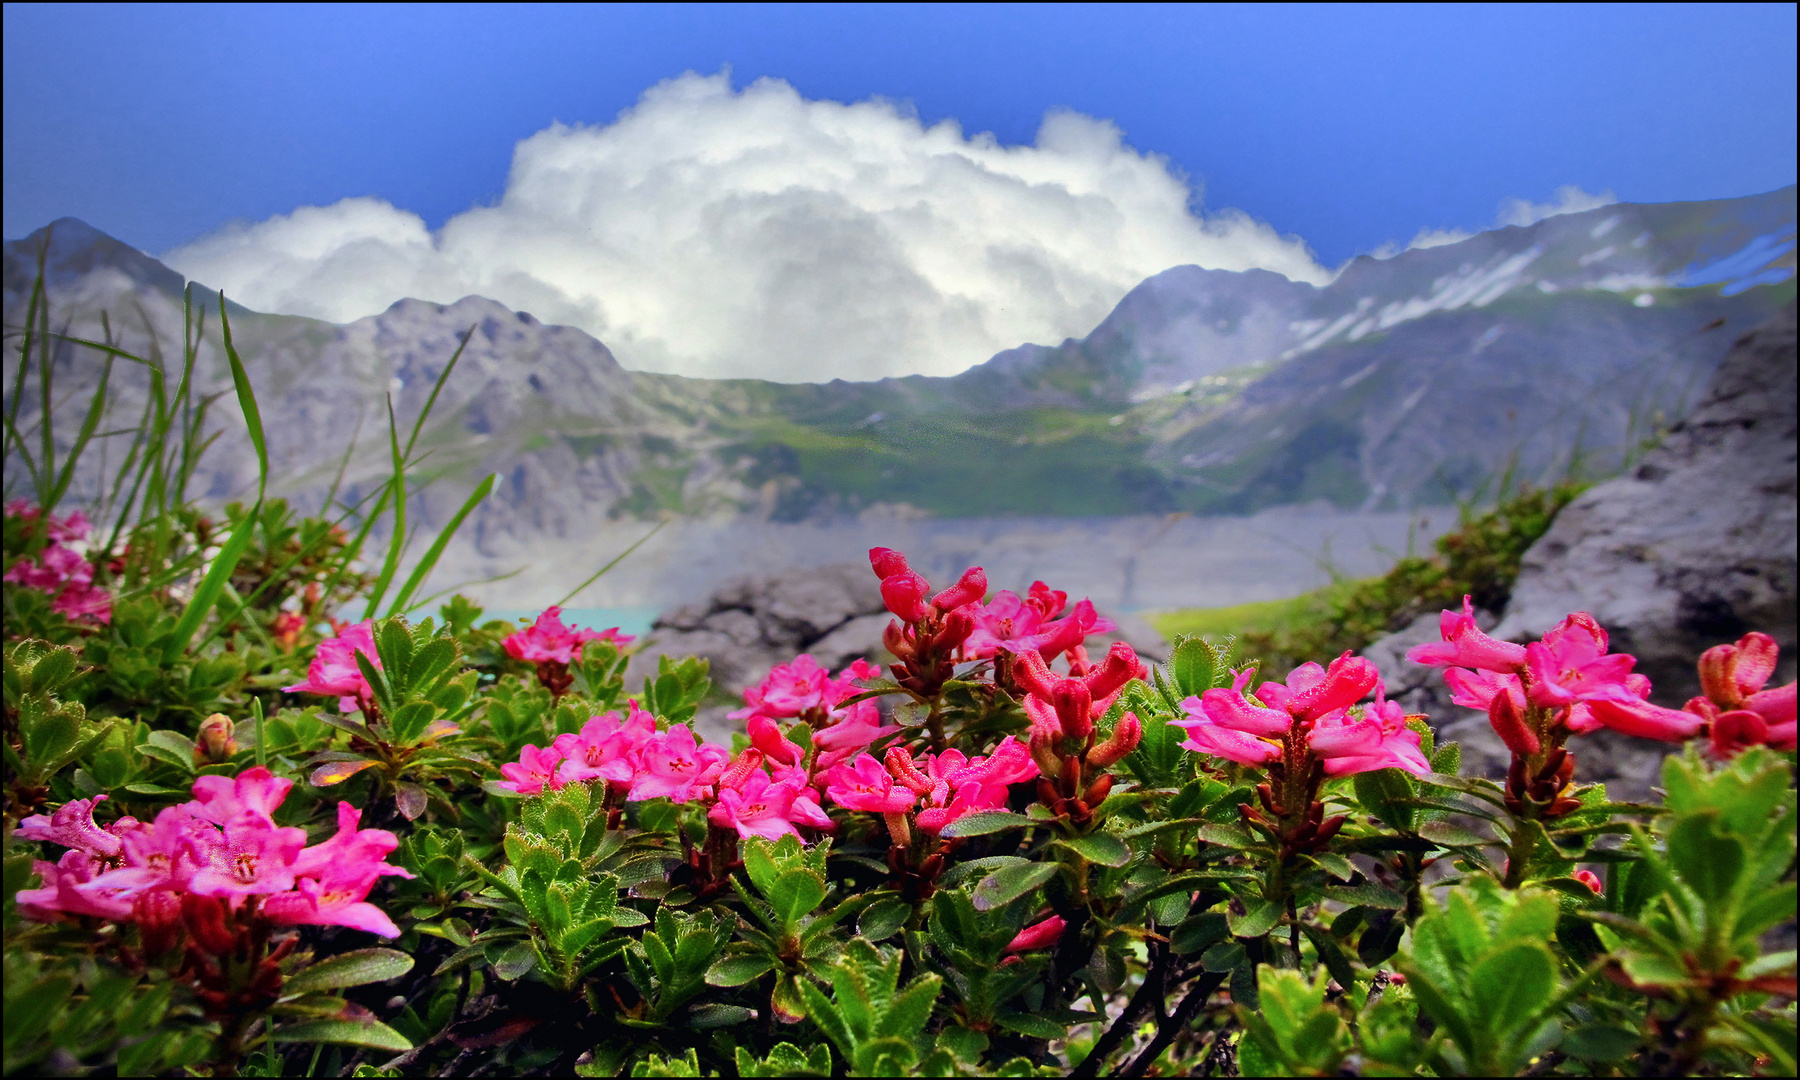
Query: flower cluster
x,y
60,571
1063,711
930,629
553,646
1011,624
209,867
1538,695
1301,732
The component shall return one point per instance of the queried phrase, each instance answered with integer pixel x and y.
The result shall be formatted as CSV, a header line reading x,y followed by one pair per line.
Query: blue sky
x,y
1349,127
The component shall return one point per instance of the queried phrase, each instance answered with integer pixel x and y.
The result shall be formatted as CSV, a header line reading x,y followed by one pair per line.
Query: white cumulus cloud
x,y
720,232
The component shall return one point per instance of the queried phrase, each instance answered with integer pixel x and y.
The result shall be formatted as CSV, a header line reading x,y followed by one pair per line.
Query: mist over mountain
x,y
1405,382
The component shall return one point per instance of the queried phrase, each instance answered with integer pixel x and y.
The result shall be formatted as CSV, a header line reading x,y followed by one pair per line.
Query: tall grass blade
x,y
247,402
419,424
620,557
88,424
206,594
397,540
436,551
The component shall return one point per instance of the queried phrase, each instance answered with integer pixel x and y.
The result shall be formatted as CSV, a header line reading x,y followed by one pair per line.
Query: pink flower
x,y
334,671
969,589
251,795
759,807
904,594
1312,691
351,850
70,888
1624,711
858,729
549,640
606,749
904,591
1465,645
1571,664
1208,735
337,897
1378,739
1041,935
677,767
65,574
1730,674
866,785
534,769
248,858
72,825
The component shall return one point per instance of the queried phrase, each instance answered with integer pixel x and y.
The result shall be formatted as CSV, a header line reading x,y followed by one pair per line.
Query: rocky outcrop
x,y
1691,549
1696,545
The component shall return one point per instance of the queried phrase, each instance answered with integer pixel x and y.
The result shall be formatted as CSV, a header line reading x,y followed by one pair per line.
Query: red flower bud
x,y
887,562
958,625
1033,675
1125,739
1038,935
1098,790
900,766
157,913
739,770
215,742
1508,717
1120,667
969,588
1074,708
1717,670
205,918
904,595
895,641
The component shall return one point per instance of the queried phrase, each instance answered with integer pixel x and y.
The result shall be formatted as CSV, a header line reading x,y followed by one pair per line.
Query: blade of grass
x,y
419,424
207,592
616,560
246,401
88,424
397,539
436,551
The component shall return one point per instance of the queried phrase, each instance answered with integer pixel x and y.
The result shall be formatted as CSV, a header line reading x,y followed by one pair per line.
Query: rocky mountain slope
x,y
1405,381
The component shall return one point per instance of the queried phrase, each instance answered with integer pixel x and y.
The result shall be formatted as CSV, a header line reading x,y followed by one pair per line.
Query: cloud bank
x,y
755,233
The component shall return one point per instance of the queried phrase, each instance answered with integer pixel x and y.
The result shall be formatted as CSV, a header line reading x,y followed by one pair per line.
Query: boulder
x,y
1693,547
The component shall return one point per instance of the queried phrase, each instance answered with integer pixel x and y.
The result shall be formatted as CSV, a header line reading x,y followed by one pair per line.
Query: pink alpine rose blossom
x,y
1571,663
1630,714
859,728
605,748
1205,735
249,858
72,825
865,784
1730,674
337,897
548,639
533,771
759,807
1378,739
1464,645
677,766
251,795
334,671
70,888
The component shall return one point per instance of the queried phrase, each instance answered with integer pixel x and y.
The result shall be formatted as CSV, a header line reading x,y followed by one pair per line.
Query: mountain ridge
x,y
1202,391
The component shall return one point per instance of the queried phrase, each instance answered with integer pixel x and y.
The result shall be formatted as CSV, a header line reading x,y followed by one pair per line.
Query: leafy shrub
x,y
998,855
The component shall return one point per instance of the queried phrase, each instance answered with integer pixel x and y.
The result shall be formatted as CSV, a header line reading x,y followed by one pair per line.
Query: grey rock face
x,y
1692,549
1696,545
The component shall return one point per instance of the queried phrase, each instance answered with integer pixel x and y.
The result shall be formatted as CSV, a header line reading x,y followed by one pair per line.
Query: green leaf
x,y
1100,847
1191,664
1031,1025
1449,835
883,919
1511,986
738,970
983,823
357,968
1709,861
1011,882
206,594
370,1033
1257,921
1601,1042
796,894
